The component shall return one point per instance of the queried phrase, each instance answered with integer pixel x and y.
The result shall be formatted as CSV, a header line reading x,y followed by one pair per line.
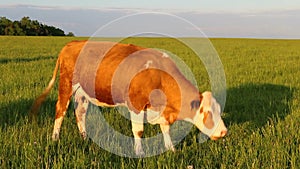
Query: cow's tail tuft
x,y
39,100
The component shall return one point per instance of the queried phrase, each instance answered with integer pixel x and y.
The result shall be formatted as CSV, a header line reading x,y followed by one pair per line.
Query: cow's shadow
x,y
22,60
14,112
257,103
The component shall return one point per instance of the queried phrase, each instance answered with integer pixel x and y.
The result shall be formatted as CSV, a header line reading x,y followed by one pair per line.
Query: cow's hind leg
x,y
64,95
81,106
137,121
61,108
165,128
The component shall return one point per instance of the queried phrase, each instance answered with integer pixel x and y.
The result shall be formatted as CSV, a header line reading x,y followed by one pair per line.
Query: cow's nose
x,y
223,133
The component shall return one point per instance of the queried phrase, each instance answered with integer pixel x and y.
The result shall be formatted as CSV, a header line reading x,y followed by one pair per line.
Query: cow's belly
x,y
77,88
153,117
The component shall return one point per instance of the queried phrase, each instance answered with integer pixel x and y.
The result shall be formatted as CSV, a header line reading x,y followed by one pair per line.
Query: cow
x,y
145,80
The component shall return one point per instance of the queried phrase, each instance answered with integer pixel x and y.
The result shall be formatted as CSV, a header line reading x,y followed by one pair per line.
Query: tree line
x,y
28,27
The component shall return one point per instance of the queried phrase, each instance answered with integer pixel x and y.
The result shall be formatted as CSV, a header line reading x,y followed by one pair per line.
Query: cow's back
x,y
96,65
87,64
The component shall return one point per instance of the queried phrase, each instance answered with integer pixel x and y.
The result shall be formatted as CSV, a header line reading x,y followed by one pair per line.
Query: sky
x,y
215,18
212,5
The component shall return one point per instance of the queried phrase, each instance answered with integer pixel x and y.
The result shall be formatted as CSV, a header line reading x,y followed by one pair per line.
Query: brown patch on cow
x,y
83,99
75,105
201,110
208,120
147,106
201,97
160,91
140,133
171,117
106,71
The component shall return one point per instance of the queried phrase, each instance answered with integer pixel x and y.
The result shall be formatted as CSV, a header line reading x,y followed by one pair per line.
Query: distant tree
x,y
70,34
29,27
53,31
4,22
9,30
17,29
35,28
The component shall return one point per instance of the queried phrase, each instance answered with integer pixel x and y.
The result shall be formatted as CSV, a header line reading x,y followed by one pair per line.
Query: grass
x,y
262,109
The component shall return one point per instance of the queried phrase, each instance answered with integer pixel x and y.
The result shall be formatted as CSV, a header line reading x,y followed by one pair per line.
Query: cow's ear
x,y
195,104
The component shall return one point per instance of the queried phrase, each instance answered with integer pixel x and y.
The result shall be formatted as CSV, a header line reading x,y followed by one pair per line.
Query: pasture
x,y
262,110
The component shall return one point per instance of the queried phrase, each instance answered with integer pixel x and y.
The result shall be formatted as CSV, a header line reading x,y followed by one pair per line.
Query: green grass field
x,y
262,110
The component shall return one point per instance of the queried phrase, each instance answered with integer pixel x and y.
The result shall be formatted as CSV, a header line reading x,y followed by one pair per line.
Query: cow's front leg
x,y
81,106
165,128
137,121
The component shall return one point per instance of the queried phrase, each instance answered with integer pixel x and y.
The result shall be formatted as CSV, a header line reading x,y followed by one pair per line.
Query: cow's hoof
x,y
83,135
172,149
55,137
140,153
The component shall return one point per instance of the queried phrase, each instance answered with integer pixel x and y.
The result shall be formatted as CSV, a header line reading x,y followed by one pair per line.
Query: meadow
x,y
262,110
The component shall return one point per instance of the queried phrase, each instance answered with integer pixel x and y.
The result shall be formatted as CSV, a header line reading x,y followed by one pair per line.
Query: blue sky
x,y
216,18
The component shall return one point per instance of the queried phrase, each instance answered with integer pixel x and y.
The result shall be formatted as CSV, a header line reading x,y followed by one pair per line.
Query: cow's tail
x,y
38,102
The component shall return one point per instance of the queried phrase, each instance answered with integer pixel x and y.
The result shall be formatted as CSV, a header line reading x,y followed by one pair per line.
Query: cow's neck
x,y
189,94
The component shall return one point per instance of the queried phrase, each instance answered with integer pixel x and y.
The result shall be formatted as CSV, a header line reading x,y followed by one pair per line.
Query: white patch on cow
x,y
167,139
168,142
137,118
75,87
165,55
56,129
137,122
188,120
154,117
198,120
149,62
79,90
57,125
138,147
80,112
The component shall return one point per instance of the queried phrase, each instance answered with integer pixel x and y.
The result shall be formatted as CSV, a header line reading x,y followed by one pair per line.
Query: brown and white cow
x,y
147,81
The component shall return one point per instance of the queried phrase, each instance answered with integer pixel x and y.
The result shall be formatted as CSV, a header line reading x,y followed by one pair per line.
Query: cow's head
x,y
208,117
